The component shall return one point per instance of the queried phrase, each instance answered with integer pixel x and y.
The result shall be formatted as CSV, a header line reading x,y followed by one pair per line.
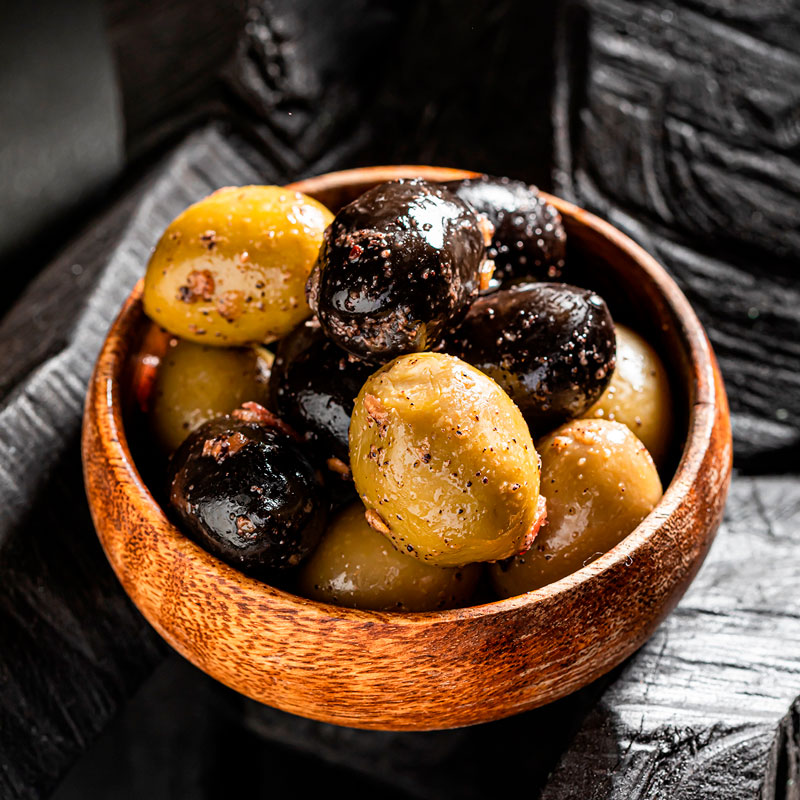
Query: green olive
x,y
638,395
232,269
600,483
356,566
444,462
195,383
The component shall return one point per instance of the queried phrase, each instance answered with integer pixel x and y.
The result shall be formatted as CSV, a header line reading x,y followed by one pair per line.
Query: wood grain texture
x,y
386,671
678,122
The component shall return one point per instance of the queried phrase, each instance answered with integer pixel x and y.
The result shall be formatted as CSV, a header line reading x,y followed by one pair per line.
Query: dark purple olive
x,y
529,239
313,387
551,346
246,492
396,267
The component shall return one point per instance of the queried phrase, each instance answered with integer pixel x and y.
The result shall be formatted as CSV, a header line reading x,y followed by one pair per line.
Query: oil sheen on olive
x,y
313,387
356,566
248,494
600,483
639,395
549,345
232,268
195,383
444,462
529,238
397,265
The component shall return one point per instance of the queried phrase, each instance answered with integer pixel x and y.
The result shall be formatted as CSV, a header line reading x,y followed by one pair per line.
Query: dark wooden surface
x,y
678,122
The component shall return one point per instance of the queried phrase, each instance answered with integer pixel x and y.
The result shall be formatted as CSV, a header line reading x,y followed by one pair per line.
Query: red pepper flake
x,y
229,306
199,286
244,526
254,412
375,521
541,519
220,447
339,467
375,409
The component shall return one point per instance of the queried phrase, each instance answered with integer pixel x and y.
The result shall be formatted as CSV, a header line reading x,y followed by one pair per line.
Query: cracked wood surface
x,y
678,122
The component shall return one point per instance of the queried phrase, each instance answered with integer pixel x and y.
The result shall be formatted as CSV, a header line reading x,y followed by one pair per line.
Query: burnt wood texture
x,y
678,122
712,195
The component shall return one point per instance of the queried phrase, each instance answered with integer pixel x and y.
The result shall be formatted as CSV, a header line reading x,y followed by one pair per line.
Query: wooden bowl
x,y
427,670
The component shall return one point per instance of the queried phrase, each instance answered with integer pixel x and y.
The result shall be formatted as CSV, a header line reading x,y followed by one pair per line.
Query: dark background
x,y
677,120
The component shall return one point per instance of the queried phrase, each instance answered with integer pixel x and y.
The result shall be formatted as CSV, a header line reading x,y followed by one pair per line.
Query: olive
x,y
444,462
549,345
231,269
600,483
245,491
356,566
195,383
313,387
397,265
639,395
529,238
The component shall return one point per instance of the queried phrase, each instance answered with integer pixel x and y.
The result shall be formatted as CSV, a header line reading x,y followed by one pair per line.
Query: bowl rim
x,y
702,398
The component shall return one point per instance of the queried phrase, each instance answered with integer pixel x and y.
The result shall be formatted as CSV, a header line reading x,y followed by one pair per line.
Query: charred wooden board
x,y
696,713
678,122
632,77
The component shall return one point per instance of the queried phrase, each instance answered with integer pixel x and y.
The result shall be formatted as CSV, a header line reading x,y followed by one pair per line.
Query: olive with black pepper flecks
x,y
639,394
313,387
245,491
195,383
444,462
600,483
356,566
232,268
396,267
551,346
529,238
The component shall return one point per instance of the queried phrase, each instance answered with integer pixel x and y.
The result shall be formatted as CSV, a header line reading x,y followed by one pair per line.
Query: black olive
x,y
247,493
529,239
313,387
551,346
396,267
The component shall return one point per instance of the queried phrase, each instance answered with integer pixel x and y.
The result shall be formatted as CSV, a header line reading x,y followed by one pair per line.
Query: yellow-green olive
x,y
444,462
232,268
638,395
195,383
600,483
356,566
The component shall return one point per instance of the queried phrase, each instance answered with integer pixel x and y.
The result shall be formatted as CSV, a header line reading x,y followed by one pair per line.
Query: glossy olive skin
x,y
600,483
444,462
356,566
397,265
248,494
232,268
551,346
529,239
639,394
195,383
313,387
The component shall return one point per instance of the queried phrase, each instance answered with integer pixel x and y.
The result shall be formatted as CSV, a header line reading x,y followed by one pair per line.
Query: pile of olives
x,y
372,405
